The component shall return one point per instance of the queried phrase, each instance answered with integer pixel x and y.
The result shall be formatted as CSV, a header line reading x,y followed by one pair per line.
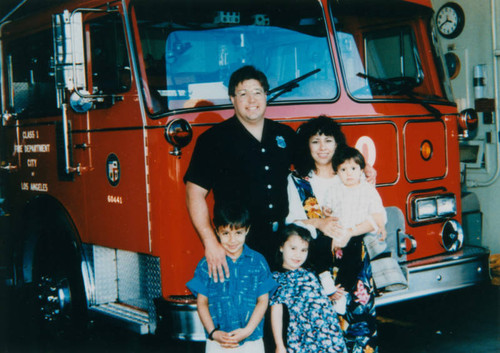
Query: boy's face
x,y
232,239
350,172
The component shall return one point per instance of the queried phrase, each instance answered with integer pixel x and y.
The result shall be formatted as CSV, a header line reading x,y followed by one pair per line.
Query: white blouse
x,y
351,205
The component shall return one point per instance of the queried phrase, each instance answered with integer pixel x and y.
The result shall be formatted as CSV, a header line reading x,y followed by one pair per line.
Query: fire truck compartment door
x,y
378,142
417,166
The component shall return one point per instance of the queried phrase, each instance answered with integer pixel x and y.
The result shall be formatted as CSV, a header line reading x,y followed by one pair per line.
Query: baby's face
x,y
350,173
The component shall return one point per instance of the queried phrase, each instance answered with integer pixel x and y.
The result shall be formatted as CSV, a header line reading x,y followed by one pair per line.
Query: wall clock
x,y
450,20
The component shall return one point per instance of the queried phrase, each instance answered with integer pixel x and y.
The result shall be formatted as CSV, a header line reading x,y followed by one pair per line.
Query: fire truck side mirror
x,y
69,54
70,64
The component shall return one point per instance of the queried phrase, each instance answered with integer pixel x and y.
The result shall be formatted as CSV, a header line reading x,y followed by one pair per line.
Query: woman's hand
x,y
371,174
341,238
329,226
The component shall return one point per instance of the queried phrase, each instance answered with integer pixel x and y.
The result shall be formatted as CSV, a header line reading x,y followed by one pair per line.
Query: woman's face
x,y
322,148
295,250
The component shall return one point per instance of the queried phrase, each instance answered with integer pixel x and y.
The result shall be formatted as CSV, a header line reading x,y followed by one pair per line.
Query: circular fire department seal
x,y
113,169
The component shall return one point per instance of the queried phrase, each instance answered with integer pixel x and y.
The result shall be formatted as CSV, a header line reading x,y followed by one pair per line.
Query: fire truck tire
x,y
58,302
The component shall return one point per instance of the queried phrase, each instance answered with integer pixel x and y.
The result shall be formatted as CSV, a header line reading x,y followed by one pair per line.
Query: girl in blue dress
x,y
313,323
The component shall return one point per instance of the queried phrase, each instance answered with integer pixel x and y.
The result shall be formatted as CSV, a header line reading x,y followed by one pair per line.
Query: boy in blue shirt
x,y
231,311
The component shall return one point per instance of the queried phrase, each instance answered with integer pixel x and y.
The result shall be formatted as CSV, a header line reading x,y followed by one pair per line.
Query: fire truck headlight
x,y
425,209
467,123
434,207
446,206
452,235
178,133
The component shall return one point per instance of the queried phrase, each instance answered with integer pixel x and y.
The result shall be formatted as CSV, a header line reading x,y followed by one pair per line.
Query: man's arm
x,y
200,216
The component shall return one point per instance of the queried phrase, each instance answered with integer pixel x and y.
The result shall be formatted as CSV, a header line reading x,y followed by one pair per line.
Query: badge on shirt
x,y
280,141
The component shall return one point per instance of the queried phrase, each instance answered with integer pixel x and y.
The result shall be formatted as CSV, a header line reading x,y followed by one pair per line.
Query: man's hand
x,y
200,216
216,261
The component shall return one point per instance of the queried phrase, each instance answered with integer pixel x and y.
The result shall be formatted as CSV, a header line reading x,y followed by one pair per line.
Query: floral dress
x,y
313,325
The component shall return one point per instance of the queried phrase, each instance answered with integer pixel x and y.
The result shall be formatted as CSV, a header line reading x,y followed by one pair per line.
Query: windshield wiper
x,y
290,85
402,85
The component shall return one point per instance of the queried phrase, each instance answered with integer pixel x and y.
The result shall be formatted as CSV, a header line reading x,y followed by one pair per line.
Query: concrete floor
x,y
464,321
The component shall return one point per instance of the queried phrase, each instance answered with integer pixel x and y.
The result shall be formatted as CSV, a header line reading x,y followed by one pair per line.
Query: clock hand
x,y
445,22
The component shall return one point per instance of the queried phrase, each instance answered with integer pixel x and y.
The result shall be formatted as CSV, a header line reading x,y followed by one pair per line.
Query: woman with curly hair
x,y
309,193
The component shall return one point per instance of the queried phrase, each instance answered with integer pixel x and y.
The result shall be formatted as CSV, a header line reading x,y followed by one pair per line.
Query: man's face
x,y
249,102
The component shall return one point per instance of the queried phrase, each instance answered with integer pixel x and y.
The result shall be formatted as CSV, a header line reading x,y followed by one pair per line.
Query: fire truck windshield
x,y
381,50
190,55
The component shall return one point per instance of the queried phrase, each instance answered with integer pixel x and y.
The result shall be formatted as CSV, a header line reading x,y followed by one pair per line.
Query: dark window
x,y
110,63
31,76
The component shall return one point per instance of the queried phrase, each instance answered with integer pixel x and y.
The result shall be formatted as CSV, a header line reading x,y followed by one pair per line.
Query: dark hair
x,y
234,215
285,233
323,125
345,153
247,73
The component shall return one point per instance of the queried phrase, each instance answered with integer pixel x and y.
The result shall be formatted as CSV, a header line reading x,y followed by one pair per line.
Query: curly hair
x,y
322,125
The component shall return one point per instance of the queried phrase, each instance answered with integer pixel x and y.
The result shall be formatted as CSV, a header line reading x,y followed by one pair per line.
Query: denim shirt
x,y
232,302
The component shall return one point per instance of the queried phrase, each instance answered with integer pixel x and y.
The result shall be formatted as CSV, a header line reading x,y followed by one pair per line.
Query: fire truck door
x,y
116,183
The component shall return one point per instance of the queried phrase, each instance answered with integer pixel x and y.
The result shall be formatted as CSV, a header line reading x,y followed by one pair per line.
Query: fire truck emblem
x,y
113,169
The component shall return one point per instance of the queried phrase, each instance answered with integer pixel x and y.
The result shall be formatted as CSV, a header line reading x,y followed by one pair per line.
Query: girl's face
x,y
322,148
350,172
295,250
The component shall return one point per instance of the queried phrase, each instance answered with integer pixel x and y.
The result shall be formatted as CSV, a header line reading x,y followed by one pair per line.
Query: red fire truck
x,y
102,102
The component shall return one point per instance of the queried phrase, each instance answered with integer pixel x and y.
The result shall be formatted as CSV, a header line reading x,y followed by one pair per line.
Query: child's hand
x,y
239,334
280,349
339,293
383,233
225,339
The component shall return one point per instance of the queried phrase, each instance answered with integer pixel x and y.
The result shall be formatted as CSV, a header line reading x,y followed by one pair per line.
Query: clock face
x,y
450,20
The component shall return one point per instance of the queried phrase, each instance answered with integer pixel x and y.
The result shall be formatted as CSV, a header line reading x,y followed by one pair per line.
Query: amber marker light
x,y
426,150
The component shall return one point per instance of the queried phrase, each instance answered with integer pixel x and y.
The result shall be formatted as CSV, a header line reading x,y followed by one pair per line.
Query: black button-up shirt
x,y
232,163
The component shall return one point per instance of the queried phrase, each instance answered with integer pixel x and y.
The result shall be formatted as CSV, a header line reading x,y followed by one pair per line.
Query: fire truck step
x,y
124,315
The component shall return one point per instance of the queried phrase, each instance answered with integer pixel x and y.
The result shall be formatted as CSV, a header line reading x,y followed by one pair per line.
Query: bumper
x,y
179,319
442,273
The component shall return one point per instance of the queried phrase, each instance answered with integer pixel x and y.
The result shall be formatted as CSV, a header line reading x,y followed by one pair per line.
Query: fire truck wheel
x,y
59,301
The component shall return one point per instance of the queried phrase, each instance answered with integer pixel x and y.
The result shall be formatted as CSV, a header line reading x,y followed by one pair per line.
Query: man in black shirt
x,y
244,159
